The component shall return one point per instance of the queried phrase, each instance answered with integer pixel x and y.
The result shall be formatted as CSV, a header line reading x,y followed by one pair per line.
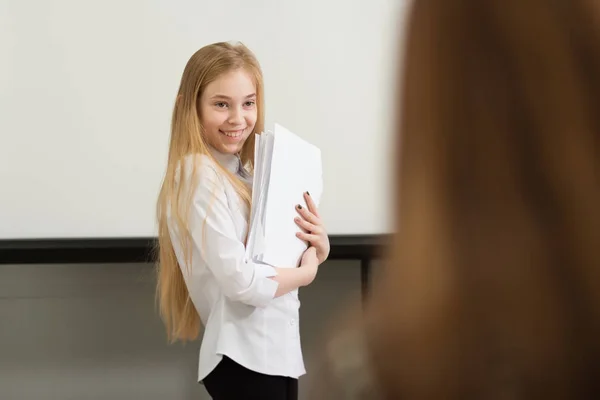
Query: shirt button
x,y
292,322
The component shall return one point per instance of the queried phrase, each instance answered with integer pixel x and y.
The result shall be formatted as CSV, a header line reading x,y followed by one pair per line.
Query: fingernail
x,y
299,207
307,193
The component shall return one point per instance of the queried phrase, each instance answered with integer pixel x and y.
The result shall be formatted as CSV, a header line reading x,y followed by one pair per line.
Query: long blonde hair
x,y
187,138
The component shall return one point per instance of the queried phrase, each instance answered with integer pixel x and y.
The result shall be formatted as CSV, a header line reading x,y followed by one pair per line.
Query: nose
x,y
236,116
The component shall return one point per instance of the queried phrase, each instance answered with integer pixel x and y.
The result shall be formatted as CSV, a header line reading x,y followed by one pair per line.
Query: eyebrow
x,y
222,96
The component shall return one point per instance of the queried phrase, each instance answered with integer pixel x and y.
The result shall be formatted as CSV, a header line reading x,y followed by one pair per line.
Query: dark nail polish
x,y
299,207
307,193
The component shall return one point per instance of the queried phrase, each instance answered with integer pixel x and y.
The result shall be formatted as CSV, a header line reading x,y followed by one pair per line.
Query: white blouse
x,y
234,298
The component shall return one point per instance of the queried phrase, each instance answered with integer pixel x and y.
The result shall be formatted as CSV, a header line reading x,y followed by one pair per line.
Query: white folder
x,y
285,166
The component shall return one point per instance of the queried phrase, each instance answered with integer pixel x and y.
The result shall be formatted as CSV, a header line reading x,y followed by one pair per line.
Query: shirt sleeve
x,y
213,232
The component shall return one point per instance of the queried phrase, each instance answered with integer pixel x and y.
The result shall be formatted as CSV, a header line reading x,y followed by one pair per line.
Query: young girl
x,y
251,343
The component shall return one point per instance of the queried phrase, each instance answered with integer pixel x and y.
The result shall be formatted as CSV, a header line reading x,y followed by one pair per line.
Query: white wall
x,y
86,90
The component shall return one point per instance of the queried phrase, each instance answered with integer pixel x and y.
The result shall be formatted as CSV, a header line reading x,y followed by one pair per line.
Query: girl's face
x,y
228,111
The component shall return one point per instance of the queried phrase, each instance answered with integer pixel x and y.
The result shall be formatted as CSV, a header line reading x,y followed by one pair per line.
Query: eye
x,y
250,103
220,104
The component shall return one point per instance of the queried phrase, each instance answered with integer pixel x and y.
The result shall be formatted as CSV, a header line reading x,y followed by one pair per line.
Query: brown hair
x,y
491,288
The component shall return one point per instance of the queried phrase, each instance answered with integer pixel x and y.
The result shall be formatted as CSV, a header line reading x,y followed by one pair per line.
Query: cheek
x,y
251,118
212,119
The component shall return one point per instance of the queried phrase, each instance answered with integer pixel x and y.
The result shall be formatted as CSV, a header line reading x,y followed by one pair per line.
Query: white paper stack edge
x,y
285,166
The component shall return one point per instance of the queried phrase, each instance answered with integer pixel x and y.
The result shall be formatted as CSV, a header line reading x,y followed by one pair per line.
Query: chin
x,y
228,148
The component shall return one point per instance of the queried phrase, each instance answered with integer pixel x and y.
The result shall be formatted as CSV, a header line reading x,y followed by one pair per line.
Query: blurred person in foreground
x,y
491,285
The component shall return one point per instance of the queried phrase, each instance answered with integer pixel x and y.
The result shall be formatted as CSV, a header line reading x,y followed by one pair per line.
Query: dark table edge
x,y
141,249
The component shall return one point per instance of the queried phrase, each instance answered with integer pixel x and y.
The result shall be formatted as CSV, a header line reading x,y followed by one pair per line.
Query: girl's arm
x,y
214,235
293,278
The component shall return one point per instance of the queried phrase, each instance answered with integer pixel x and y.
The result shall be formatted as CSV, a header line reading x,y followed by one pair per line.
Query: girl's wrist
x,y
309,272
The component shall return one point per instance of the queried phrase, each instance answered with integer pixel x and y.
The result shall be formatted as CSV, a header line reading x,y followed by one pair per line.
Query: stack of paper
x,y
285,166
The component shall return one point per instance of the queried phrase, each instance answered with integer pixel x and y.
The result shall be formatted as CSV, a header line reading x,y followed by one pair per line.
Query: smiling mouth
x,y
232,134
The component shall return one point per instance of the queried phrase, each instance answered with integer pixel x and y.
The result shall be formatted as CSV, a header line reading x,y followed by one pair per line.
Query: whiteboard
x,y
87,89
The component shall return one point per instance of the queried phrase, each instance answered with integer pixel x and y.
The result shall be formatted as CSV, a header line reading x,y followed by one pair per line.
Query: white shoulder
x,y
208,176
206,168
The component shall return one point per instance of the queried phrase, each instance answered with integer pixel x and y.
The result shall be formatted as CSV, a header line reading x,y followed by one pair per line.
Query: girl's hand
x,y
314,231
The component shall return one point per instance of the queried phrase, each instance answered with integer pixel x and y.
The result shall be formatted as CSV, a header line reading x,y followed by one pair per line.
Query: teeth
x,y
233,133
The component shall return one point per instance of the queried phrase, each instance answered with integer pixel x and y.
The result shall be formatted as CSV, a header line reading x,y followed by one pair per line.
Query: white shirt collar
x,y
230,162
